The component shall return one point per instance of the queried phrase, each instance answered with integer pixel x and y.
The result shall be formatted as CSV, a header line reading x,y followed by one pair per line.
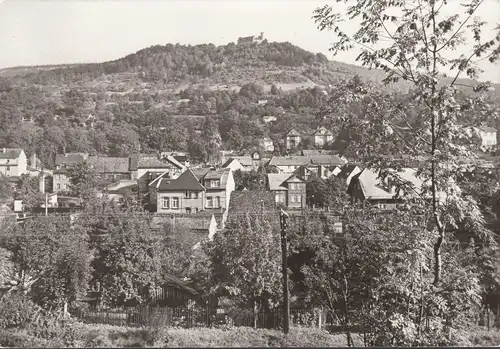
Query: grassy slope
x,y
106,336
113,336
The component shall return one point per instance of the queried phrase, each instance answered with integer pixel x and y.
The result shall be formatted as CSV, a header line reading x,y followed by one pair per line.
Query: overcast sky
x,y
54,32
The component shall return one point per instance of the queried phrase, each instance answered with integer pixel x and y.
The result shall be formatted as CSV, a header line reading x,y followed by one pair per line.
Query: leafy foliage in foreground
x,y
378,280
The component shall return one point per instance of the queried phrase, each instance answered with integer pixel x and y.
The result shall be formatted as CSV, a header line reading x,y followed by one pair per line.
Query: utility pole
x,y
284,254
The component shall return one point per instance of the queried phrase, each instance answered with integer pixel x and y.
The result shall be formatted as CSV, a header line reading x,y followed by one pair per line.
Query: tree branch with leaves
x,y
415,41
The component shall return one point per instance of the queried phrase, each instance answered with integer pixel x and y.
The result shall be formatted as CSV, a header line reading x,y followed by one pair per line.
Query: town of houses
x,y
199,196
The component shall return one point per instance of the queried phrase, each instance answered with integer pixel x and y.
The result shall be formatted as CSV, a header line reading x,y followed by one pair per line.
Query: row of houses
x,y
321,137
316,160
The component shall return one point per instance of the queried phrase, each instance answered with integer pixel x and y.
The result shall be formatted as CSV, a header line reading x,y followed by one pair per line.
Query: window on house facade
x,y
58,186
292,198
194,195
214,183
187,194
175,202
8,168
165,203
282,196
299,198
291,186
65,186
209,201
277,198
217,202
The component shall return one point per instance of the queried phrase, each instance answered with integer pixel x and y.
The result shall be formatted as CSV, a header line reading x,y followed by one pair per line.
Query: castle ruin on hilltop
x,y
251,39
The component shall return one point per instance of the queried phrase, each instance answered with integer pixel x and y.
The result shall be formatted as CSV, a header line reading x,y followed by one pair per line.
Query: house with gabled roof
x,y
292,139
219,185
289,190
182,194
267,144
488,137
242,163
322,136
368,186
63,162
13,162
348,171
114,168
194,190
150,167
288,164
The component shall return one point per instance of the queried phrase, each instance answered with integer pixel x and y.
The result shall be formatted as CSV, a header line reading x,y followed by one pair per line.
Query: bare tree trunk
x,y
438,264
421,308
65,309
346,319
255,314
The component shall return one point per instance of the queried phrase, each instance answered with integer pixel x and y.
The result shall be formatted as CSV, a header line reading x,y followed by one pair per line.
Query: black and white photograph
x,y
249,173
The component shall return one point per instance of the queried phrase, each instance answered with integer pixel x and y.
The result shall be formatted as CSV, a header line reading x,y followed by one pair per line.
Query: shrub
x,y
17,311
21,339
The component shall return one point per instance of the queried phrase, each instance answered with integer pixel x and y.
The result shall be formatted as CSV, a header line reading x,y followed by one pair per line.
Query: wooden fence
x,y
195,317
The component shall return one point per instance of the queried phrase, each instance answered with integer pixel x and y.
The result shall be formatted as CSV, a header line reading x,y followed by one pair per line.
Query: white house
x,y
13,162
488,137
267,144
292,139
487,134
243,163
322,136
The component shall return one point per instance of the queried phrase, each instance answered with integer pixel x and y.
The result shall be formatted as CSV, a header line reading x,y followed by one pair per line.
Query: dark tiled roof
x,y
310,152
215,174
323,131
186,181
109,164
70,158
244,160
346,171
200,172
292,132
487,129
326,160
153,162
10,153
220,174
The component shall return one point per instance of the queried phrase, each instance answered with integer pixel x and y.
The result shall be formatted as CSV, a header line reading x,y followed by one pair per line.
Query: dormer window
x,y
214,183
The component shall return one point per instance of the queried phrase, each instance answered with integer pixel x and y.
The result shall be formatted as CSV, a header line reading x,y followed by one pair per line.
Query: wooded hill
x,y
173,98
231,64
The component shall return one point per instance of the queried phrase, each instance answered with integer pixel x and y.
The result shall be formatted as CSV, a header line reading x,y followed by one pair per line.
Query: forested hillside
x,y
171,97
